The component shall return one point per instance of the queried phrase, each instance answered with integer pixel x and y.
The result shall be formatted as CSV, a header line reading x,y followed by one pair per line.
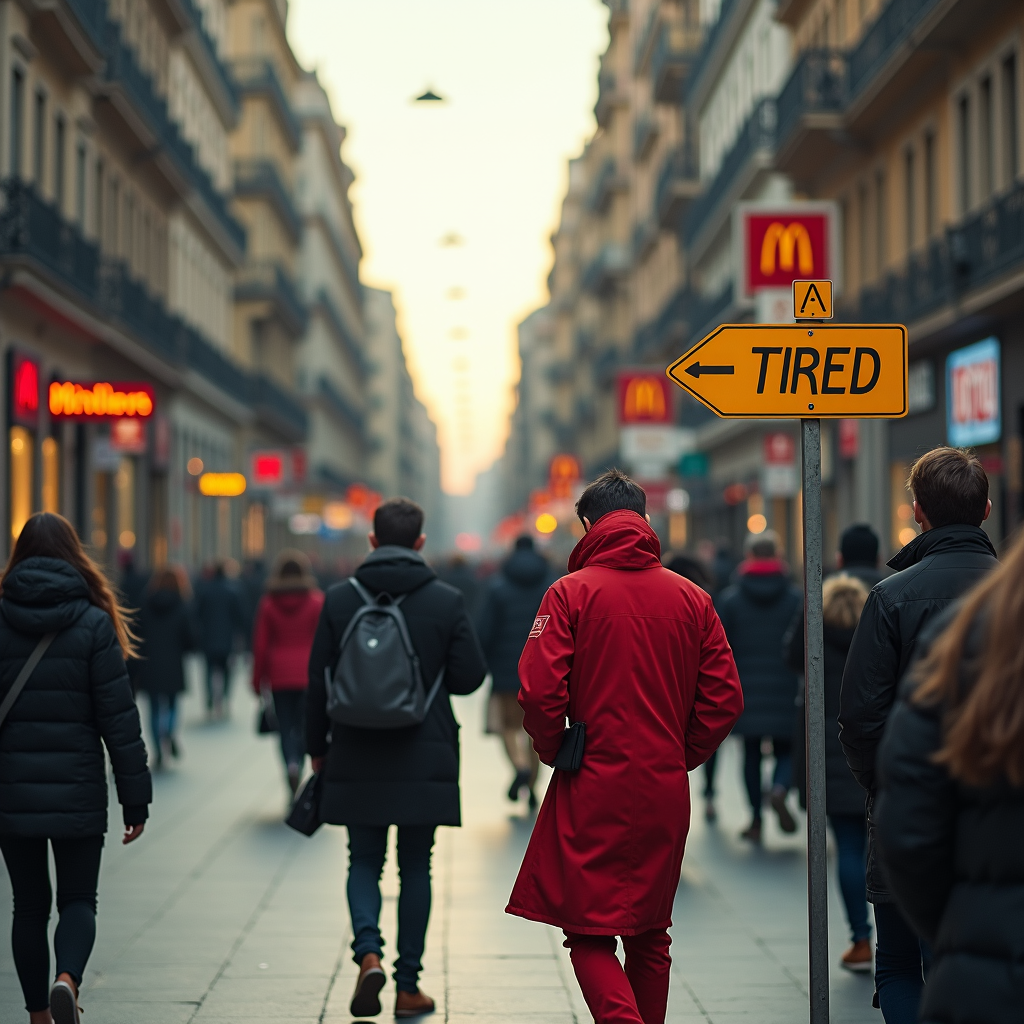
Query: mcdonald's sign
x,y
563,475
645,396
778,245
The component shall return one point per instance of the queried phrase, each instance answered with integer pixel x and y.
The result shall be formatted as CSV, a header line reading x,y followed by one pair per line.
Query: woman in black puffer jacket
x,y
53,783
950,805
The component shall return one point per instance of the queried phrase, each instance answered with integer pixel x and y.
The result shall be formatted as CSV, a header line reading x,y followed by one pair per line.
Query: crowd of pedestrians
x,y
624,675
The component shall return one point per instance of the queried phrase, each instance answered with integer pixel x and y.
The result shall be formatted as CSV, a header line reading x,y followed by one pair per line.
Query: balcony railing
x,y
756,136
261,177
605,269
600,195
341,406
712,35
606,365
92,16
642,50
645,236
674,55
892,27
351,346
258,75
678,181
971,253
210,48
645,131
818,85
267,280
707,311
273,403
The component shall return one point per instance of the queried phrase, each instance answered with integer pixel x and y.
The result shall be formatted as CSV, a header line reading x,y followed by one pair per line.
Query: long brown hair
x,y
49,535
984,726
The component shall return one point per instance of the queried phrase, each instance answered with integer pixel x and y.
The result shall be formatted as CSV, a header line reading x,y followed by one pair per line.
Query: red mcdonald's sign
x,y
645,396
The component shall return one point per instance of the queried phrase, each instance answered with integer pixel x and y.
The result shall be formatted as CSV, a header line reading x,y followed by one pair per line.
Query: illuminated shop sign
x,y
100,400
973,414
24,395
222,485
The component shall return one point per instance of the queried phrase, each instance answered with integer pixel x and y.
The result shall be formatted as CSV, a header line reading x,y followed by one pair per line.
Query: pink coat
x,y
282,638
638,654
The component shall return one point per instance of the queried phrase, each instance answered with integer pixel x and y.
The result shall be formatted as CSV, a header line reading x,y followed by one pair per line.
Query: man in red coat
x,y
637,653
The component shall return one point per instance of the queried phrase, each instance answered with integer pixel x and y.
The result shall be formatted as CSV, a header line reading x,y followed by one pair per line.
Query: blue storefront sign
x,y
973,413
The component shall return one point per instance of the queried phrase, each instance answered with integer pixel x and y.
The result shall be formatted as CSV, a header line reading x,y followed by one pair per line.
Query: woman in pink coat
x,y
637,653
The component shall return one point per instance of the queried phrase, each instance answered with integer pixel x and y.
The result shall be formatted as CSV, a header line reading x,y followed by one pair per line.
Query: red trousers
x,y
638,995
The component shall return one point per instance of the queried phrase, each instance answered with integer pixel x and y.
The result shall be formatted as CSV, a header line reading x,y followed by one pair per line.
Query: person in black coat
x,y
950,804
843,599
375,778
509,609
166,634
953,553
220,619
756,613
53,778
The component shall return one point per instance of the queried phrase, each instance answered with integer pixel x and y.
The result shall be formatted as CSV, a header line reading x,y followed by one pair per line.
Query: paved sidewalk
x,y
220,913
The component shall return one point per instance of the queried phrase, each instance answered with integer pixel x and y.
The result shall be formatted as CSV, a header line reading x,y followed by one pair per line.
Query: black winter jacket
x,y
220,616
53,779
843,794
400,776
756,613
954,856
509,608
932,571
166,634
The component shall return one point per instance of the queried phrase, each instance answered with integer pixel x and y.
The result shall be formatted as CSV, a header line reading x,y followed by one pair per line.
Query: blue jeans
x,y
851,832
901,965
163,716
367,848
783,775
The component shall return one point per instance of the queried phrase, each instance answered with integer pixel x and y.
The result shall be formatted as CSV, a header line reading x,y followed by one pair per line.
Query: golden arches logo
x,y
790,241
644,399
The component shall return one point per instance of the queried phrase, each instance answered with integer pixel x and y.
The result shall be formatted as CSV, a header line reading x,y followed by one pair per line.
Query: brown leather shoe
x,y
365,1001
858,957
413,1004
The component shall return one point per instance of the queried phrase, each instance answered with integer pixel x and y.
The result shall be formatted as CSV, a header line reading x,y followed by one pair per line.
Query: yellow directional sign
x,y
798,371
812,300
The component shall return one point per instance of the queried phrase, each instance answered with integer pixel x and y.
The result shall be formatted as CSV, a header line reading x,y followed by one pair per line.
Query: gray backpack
x,y
377,683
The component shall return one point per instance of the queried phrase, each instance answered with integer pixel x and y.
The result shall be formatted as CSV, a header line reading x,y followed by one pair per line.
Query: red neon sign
x,y
24,390
100,401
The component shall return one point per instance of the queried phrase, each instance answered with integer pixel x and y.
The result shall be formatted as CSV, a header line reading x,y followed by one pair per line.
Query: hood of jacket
x,y
291,601
394,570
955,537
618,540
525,567
763,586
43,595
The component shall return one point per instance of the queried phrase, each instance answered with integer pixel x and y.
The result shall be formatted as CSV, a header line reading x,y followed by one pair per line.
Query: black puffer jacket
x,y
932,571
509,609
166,633
401,776
53,779
954,856
756,612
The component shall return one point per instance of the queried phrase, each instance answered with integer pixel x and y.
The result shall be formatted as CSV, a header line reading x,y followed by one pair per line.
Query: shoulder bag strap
x,y
433,691
366,596
23,676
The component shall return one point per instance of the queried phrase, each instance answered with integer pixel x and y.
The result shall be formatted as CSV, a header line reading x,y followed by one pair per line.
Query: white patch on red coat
x,y
538,626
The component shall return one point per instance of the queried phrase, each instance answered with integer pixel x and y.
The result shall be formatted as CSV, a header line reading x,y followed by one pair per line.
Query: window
x,y
840,22
99,201
862,201
910,199
112,228
17,102
39,140
129,230
1011,132
58,162
880,205
50,483
20,481
987,140
80,185
931,217
964,150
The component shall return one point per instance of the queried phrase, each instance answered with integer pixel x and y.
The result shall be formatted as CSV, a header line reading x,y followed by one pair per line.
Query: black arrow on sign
x,y
696,369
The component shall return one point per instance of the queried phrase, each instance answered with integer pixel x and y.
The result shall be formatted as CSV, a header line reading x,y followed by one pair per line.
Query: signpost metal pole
x,y
814,722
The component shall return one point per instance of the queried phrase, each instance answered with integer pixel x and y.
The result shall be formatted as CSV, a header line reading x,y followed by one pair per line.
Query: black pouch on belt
x,y
570,753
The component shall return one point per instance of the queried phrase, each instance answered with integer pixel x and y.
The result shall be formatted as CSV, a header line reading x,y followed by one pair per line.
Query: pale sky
x,y
488,166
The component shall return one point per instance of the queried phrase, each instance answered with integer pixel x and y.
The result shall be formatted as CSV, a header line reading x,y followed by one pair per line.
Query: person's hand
x,y
131,833
317,763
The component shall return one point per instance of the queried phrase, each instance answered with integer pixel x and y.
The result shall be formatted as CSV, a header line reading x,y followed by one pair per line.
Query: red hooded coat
x,y
283,637
638,654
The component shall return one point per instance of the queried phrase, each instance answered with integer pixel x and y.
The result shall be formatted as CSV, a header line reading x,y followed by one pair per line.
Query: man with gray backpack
x,y
392,644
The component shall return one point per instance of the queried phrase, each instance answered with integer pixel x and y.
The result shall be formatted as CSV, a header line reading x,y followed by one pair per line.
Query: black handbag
x,y
570,753
304,816
266,717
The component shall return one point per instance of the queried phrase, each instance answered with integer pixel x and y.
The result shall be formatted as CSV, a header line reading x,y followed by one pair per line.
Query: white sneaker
x,y
64,1004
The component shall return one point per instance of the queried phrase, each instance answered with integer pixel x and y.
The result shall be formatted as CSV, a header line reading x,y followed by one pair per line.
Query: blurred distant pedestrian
x,y
373,778
843,598
219,618
757,612
59,614
637,655
509,606
166,634
250,583
458,572
696,572
952,553
950,805
282,639
858,554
